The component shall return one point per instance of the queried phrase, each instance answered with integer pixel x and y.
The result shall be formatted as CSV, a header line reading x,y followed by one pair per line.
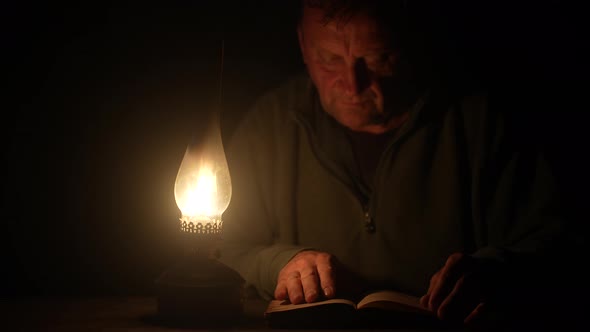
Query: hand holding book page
x,y
459,290
377,309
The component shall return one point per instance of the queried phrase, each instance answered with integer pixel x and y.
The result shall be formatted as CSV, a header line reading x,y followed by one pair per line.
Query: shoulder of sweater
x,y
499,119
272,111
468,103
278,104
288,95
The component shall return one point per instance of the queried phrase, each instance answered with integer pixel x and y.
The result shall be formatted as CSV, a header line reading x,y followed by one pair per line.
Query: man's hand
x,y
459,290
308,277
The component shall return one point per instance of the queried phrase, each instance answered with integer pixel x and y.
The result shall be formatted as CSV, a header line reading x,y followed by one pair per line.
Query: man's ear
x,y
301,44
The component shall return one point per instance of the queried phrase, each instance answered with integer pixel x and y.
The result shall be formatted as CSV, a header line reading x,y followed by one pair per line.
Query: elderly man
x,y
368,171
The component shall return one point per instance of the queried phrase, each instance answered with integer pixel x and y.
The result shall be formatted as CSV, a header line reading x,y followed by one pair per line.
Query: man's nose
x,y
357,78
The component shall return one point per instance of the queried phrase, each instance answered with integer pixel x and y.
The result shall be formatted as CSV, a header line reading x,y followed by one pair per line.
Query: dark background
x,y
101,99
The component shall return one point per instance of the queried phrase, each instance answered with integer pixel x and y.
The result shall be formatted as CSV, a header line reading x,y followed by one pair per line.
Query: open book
x,y
378,309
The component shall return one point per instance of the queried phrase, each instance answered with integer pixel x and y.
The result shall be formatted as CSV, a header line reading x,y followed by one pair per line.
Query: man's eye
x,y
328,58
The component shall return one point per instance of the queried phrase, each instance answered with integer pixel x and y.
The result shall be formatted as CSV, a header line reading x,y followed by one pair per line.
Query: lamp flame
x,y
203,186
198,199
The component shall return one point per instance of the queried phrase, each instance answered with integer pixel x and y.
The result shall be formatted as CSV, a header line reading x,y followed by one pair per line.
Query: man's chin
x,y
367,126
374,123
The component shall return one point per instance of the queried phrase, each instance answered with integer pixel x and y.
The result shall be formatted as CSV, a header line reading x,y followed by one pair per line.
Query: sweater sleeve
x,y
516,199
519,218
254,243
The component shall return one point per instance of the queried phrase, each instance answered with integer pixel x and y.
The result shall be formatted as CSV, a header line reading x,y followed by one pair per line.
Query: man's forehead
x,y
359,29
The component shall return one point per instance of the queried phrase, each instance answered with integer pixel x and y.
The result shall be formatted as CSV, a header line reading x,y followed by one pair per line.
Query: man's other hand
x,y
459,290
307,277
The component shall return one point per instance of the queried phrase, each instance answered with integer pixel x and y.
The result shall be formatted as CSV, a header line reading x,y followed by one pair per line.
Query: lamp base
x,y
200,291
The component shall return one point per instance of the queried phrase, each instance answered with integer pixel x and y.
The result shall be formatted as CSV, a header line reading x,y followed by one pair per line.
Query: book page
x,y
393,300
284,305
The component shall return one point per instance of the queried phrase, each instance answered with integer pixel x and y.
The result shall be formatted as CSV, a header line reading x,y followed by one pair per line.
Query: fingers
x,y
326,276
442,283
458,290
295,289
424,300
281,292
306,278
311,285
289,287
461,301
475,315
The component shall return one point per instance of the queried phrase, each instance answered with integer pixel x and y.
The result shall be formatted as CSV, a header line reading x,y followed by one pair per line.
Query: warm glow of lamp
x,y
203,185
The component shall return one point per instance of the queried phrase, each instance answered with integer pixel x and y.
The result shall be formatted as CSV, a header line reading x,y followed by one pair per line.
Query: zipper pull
x,y
369,224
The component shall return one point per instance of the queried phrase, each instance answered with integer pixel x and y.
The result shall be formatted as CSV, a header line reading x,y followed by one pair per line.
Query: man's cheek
x,y
328,83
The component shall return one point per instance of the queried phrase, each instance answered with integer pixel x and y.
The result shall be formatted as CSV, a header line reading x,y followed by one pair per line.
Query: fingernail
x,y
328,291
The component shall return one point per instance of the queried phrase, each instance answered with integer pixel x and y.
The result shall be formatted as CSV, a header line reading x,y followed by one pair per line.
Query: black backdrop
x,y
102,98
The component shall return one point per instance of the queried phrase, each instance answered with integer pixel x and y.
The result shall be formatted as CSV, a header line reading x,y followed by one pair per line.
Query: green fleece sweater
x,y
451,179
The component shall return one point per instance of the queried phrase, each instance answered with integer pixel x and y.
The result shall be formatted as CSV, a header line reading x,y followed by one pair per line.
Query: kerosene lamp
x,y
198,288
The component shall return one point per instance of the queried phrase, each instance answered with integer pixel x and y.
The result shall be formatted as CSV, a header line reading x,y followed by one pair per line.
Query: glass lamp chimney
x,y
203,185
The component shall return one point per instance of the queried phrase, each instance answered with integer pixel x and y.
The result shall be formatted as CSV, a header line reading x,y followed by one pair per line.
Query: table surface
x,y
106,313
136,313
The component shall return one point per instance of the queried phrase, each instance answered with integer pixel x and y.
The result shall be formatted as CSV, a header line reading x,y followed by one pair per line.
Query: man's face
x,y
349,64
